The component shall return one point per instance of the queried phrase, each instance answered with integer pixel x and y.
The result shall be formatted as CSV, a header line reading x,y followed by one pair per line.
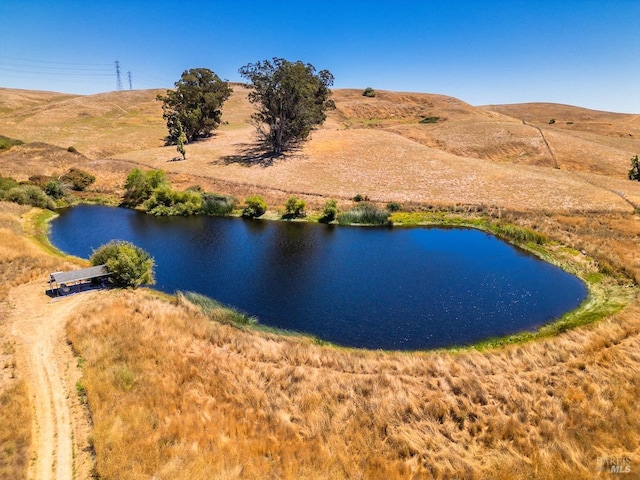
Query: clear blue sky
x,y
578,52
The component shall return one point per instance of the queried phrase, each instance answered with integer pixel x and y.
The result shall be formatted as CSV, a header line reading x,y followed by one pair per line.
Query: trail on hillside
x,y
60,423
544,139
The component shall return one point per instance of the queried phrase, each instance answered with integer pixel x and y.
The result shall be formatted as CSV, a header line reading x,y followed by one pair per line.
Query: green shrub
x,y
393,207
54,189
165,201
72,149
137,187
6,143
430,120
365,213
369,92
29,195
7,183
17,195
552,121
330,211
255,206
214,204
78,179
360,198
140,185
634,173
129,265
295,208
156,178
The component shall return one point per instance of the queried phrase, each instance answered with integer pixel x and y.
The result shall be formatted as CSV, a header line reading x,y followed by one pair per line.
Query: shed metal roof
x,y
80,275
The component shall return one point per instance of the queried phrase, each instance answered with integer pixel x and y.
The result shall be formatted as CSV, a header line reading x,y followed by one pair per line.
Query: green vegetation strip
x,y
221,313
37,228
217,311
603,300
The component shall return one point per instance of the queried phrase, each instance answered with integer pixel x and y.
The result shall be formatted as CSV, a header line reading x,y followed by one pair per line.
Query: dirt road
x,y
61,425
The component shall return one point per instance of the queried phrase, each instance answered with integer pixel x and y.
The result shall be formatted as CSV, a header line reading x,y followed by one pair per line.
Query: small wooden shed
x,y
65,282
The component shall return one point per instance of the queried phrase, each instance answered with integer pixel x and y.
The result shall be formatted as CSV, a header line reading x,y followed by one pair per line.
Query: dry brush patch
x,y
38,158
611,238
21,261
15,435
176,395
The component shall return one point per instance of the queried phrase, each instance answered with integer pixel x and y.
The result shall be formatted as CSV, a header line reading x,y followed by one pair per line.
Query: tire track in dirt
x,y
37,324
544,139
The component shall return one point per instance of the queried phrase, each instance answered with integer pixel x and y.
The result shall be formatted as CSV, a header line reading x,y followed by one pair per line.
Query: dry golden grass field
x,y
175,394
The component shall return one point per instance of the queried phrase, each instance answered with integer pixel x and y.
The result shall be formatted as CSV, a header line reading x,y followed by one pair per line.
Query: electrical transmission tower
x,y
130,84
118,79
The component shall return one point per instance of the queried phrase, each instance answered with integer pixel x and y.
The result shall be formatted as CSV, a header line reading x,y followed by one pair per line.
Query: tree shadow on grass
x,y
250,154
254,154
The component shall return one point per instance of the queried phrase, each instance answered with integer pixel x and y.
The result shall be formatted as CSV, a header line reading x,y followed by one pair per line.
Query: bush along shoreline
x,y
609,291
152,192
46,192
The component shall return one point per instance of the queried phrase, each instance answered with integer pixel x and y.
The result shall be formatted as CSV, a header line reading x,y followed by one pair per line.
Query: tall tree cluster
x,y
291,99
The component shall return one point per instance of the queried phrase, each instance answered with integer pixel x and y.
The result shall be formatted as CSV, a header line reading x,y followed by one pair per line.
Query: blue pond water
x,y
399,288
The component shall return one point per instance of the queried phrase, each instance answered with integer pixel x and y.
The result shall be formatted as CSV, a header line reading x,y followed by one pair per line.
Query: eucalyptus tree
x,y
195,105
291,100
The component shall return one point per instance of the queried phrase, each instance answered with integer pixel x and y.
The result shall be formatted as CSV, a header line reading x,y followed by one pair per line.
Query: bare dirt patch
x,y
60,429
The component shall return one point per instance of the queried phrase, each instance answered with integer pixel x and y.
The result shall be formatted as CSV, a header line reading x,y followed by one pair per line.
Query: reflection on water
x,y
384,288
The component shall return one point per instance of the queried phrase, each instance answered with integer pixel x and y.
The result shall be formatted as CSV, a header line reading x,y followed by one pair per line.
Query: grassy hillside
x,y
372,146
97,125
177,394
14,101
582,139
573,118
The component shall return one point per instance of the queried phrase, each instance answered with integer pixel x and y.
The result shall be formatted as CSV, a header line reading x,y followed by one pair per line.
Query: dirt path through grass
x,y
60,423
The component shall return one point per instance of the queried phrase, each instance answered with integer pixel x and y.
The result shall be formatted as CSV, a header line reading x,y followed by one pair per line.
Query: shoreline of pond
x,y
606,294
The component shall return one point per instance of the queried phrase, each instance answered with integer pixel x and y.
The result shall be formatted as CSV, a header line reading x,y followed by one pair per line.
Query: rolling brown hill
x,y
97,125
504,156
573,118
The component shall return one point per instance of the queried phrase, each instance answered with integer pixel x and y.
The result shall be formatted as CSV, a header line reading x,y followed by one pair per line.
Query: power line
x,y
67,73
152,79
31,60
54,68
51,72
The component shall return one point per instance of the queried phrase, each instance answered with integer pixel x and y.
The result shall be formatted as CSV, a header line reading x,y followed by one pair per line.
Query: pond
x,y
387,288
